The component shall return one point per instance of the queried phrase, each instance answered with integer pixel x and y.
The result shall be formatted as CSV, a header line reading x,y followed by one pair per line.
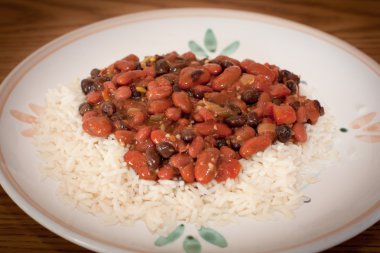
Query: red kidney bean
x,y
143,133
182,101
213,68
122,93
229,153
284,114
205,168
173,113
166,172
180,160
196,146
159,92
138,162
124,137
200,90
192,76
126,78
254,145
229,76
143,145
255,68
159,106
187,173
301,114
131,57
212,128
125,65
312,111
157,136
99,126
94,97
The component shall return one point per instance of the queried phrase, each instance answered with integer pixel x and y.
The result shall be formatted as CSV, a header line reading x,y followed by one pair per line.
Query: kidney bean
x,y
99,126
223,60
301,114
122,93
205,114
255,68
254,145
244,133
236,120
126,78
189,56
173,113
138,162
200,90
227,168
88,115
182,101
212,128
213,68
160,92
143,145
229,76
94,97
192,76
279,91
136,117
196,146
228,153
159,105
124,137
153,158
187,173
262,83
166,172
180,160
125,65
157,136
165,149
131,57
143,133
299,132
84,107
205,167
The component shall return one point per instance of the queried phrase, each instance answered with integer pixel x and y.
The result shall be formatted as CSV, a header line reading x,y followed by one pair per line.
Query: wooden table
x,y
27,25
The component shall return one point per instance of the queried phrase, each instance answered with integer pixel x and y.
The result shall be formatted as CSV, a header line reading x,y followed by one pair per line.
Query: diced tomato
x,y
227,168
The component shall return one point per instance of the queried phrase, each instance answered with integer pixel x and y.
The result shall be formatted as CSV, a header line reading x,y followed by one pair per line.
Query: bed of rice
x,y
93,175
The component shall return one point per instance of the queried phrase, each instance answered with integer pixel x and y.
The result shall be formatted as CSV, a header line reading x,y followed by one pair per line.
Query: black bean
x,y
108,108
225,64
236,109
178,65
236,121
94,73
292,86
87,85
102,79
84,107
135,94
250,96
198,94
187,135
252,119
234,144
278,101
220,143
284,133
176,88
285,75
320,108
196,74
120,124
162,67
295,105
153,158
165,149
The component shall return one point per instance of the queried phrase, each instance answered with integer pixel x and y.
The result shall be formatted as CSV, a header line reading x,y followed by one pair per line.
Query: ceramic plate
x,y
346,200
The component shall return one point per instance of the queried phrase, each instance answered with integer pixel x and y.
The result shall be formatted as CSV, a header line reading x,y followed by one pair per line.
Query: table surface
x,y
27,25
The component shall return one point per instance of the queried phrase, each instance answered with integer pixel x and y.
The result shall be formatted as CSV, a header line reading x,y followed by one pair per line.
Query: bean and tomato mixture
x,y
192,120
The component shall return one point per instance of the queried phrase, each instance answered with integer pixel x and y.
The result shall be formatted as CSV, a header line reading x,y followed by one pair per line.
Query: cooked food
x,y
192,120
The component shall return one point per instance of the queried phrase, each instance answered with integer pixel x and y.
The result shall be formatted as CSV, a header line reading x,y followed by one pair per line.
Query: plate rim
x,y
15,192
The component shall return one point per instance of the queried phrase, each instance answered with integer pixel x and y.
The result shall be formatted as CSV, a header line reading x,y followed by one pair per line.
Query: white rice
x,y
93,175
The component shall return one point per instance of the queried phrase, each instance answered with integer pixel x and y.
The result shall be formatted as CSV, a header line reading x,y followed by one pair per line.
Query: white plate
x,y
345,201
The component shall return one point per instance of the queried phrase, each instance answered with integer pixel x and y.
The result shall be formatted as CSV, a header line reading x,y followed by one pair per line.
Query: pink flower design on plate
x,y
369,129
28,118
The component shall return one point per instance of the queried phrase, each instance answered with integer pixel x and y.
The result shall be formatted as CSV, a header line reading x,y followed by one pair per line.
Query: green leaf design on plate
x,y
230,48
213,237
197,49
191,245
210,41
161,241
